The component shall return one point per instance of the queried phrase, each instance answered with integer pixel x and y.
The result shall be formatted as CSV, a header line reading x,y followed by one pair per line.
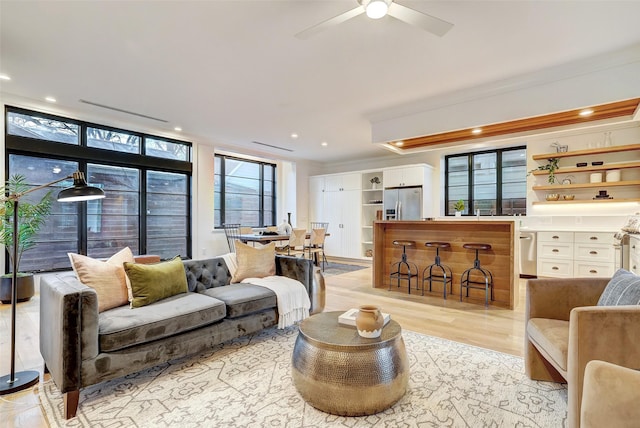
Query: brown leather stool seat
x,y
404,270
465,279
442,272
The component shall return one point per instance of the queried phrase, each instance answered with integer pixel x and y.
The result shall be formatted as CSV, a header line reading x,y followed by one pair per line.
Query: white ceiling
x,y
232,72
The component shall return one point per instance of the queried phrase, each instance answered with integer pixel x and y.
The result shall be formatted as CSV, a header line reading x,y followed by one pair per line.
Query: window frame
x,y
83,155
223,158
470,179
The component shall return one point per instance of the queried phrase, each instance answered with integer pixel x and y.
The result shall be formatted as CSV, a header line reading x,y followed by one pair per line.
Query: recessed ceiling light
x,y
4,77
294,135
50,99
177,128
324,144
586,112
476,131
399,143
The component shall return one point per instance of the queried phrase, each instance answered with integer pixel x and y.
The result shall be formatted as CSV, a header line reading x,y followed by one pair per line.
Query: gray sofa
x,y
82,347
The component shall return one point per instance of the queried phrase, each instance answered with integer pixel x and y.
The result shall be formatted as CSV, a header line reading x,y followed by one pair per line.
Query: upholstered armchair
x,y
610,396
565,330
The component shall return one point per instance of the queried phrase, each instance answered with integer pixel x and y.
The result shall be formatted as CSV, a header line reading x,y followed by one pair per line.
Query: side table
x,y
338,372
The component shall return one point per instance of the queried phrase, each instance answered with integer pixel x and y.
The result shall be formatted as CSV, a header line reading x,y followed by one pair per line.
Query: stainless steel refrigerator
x,y
403,203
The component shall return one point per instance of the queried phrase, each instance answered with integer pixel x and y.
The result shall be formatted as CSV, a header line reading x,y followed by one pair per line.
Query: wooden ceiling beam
x,y
571,117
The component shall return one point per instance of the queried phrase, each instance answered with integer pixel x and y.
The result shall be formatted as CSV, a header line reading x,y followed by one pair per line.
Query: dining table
x,y
265,239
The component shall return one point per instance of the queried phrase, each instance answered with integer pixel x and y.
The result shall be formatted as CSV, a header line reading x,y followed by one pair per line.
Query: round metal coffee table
x,y
337,371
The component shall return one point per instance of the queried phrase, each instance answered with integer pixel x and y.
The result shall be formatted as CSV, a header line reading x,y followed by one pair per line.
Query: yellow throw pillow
x,y
156,281
254,262
106,277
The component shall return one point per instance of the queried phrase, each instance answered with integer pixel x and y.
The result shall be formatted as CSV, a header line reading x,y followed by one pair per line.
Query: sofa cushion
x,y
552,337
243,299
203,274
106,277
157,281
123,327
622,289
255,262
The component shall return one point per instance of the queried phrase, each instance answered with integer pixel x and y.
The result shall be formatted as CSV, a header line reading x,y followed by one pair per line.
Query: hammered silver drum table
x,y
337,371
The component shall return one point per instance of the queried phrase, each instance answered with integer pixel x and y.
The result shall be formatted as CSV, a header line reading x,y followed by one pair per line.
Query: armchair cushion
x,y
551,336
622,289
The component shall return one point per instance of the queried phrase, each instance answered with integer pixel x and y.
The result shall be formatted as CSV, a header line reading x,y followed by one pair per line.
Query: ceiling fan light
x,y
376,9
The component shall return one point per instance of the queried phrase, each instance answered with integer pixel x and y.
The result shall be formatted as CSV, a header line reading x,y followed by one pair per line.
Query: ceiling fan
x,y
376,9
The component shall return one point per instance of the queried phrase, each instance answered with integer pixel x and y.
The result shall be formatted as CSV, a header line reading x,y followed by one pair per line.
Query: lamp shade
x,y
80,191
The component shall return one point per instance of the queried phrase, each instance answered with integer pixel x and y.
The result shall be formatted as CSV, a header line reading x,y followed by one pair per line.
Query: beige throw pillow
x,y
106,277
254,262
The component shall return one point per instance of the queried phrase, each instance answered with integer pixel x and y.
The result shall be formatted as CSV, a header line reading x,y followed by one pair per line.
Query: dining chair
x,y
232,231
246,230
315,248
321,225
295,246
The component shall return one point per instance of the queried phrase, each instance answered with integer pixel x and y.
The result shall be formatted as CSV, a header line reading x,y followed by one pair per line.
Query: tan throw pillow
x,y
254,262
156,281
106,277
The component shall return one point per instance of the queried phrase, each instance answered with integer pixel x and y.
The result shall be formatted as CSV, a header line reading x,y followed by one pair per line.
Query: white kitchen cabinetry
x,y
576,254
405,176
336,199
634,254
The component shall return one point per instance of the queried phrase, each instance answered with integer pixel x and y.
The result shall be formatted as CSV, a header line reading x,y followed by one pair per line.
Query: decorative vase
x,y
289,219
374,186
458,213
369,321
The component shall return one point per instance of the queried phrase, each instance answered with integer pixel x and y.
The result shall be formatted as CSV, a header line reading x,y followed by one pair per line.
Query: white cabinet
x,y
555,254
336,199
576,254
634,254
406,176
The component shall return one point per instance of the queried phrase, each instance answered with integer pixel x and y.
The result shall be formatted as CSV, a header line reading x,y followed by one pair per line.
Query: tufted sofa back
x,y
209,273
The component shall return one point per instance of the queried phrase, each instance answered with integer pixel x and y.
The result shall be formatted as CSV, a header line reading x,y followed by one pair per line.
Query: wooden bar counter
x,y
501,260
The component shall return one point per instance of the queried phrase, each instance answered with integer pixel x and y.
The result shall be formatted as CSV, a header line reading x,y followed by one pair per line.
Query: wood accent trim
x,y
586,152
590,168
570,117
585,201
588,185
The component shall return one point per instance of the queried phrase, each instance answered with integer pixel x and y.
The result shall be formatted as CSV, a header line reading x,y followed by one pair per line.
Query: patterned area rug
x,y
339,268
247,383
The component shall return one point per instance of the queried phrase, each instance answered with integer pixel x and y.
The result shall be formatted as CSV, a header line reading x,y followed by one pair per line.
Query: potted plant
x,y
459,207
551,166
374,182
31,217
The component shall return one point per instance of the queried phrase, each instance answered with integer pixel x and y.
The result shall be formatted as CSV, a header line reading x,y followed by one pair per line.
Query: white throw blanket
x,y
291,296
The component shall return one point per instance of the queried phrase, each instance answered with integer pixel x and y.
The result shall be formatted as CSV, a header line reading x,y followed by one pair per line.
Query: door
x,y
390,204
410,200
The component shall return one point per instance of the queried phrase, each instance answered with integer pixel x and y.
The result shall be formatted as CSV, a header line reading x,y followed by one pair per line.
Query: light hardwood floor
x,y
494,328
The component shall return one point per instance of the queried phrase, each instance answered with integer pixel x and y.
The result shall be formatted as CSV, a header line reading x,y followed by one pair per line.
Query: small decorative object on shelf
x,y
568,197
602,194
607,139
374,182
551,167
552,196
368,253
597,163
559,147
612,175
581,164
459,207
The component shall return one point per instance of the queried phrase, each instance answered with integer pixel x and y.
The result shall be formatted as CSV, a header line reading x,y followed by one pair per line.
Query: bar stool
x,y
411,268
488,278
445,274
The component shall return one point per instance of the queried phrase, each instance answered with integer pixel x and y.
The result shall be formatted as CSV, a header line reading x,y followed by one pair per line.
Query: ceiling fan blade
x,y
305,34
427,22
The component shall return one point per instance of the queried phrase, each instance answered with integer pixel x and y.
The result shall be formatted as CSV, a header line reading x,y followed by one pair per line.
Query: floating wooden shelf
x,y
573,170
598,151
585,201
588,185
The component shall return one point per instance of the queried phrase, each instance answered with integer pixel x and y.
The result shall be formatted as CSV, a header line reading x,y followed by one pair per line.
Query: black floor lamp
x,y
80,191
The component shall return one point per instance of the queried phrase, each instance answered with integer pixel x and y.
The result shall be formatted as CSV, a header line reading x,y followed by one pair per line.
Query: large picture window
x,y
490,182
244,192
146,179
